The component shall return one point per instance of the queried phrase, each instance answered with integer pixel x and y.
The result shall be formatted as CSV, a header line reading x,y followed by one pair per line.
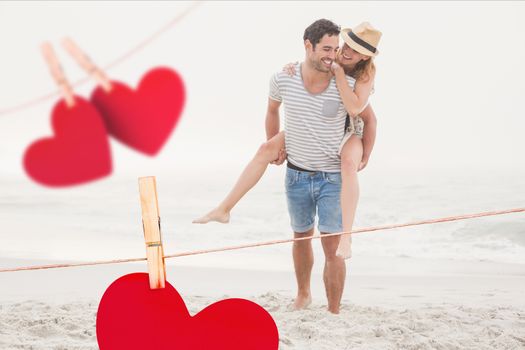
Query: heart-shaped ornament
x,y
131,316
79,151
143,119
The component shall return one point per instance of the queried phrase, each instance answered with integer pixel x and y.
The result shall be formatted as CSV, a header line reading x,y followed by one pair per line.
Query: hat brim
x,y
350,42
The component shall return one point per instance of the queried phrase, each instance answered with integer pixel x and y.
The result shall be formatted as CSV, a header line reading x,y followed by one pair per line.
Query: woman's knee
x,y
351,155
349,164
267,152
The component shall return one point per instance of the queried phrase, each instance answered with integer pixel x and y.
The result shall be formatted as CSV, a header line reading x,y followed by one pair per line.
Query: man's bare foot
x,y
344,250
214,215
301,302
334,310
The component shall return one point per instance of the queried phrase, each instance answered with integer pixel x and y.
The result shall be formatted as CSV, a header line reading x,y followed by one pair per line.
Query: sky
x,y
449,86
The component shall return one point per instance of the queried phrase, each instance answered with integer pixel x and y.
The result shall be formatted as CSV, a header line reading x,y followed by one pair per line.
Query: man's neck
x,y
314,76
314,81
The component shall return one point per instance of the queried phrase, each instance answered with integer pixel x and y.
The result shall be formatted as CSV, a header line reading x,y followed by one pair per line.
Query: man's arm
x,y
272,118
273,126
369,134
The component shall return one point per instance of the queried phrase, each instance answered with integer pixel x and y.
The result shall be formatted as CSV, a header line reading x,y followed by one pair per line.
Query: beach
x,y
456,285
449,143
434,306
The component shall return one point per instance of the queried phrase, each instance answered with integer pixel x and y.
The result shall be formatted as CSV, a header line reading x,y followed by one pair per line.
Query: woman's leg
x,y
351,155
267,153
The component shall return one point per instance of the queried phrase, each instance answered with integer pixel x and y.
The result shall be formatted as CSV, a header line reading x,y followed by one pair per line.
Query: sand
x,y
388,304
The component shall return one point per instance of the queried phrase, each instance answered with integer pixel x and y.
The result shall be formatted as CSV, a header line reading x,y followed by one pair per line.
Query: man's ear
x,y
308,45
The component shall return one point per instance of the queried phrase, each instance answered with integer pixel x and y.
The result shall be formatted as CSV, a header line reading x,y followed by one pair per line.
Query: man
x,y
314,124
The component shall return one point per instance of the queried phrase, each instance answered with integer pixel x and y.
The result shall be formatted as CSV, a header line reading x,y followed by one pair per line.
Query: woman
x,y
355,59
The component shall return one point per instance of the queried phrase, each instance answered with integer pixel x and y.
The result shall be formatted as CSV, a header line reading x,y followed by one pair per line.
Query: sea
x,y
102,220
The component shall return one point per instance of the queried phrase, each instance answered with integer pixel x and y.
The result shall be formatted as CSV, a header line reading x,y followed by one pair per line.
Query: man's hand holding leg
x,y
282,157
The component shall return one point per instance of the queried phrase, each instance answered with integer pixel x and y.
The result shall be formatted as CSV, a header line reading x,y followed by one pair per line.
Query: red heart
x,y
78,153
131,316
143,119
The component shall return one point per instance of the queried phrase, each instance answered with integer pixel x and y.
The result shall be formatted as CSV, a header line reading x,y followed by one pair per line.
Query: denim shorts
x,y
311,192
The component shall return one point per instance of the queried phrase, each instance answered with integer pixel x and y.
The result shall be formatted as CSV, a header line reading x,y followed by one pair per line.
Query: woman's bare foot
x,y
215,215
301,302
344,250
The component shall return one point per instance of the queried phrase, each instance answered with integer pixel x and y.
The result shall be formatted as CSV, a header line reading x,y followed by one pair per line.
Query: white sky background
x,y
449,88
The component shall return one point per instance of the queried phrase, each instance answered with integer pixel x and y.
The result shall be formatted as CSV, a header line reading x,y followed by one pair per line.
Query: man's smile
x,y
327,61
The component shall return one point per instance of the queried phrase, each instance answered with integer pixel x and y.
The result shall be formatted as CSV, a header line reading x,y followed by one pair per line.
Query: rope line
x,y
260,244
116,62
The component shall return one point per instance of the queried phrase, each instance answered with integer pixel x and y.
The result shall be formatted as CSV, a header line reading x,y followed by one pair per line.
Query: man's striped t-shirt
x,y
314,123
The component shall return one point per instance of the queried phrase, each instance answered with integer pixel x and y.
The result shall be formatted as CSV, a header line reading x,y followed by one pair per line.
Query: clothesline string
x,y
267,243
111,65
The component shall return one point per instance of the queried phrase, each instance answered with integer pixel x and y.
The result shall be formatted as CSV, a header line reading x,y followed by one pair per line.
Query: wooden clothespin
x,y
85,62
152,234
58,73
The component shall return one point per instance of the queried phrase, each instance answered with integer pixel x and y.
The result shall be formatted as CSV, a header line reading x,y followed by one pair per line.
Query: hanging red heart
x,y
131,316
143,119
78,153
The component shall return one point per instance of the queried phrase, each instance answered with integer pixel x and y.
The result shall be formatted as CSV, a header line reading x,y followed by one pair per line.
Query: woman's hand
x,y
339,73
290,68
336,69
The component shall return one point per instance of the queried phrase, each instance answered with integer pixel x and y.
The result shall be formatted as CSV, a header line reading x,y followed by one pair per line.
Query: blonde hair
x,y
363,70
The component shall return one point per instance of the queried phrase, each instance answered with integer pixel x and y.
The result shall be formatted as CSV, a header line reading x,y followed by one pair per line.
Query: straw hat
x,y
364,38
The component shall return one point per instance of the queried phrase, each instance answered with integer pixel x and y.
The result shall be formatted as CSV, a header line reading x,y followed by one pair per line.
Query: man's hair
x,y
318,29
